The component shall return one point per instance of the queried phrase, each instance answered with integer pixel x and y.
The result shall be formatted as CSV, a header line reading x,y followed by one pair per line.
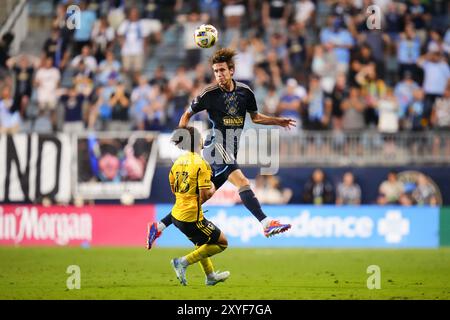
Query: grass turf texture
x,y
262,273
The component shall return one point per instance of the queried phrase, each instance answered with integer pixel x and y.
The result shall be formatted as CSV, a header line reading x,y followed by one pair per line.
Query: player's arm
x,y
197,105
171,181
184,120
205,187
260,118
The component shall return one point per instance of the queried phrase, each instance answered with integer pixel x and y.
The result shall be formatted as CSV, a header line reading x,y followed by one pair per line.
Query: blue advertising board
x,y
324,226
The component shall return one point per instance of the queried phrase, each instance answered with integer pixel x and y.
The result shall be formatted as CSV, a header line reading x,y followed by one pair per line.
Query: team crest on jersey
x,y
231,103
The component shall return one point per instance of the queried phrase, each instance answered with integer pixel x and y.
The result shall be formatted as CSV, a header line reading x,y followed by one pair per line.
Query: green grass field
x,y
134,273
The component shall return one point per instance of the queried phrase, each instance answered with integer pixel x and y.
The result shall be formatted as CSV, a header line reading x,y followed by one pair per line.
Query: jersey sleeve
x,y
198,104
251,102
204,176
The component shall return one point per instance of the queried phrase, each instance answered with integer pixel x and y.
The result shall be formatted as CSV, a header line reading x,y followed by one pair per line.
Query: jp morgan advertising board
x,y
325,226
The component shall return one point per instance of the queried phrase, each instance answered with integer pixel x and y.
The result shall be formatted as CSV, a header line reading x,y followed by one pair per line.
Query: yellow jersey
x,y
188,175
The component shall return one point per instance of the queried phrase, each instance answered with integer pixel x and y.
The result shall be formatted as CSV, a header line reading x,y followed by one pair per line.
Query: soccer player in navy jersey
x,y
227,103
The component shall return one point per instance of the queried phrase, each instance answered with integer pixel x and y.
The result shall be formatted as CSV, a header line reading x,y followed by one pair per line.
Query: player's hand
x,y
287,123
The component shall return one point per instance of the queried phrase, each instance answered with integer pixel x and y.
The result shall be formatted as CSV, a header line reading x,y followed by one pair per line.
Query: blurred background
x,y
91,90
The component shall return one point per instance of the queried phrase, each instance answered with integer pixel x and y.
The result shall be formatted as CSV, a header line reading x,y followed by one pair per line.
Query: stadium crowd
x,y
320,190
320,62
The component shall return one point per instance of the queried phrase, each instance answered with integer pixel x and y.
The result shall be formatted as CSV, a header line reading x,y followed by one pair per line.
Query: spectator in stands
x,y
318,190
419,15
120,103
85,57
102,36
133,35
413,119
245,62
180,86
387,107
156,112
404,91
271,101
72,103
65,34
348,191
394,20
107,67
408,51
275,16
140,98
324,66
340,39
275,194
46,82
82,35
10,121
352,110
338,95
83,80
436,76
290,103
441,112
101,111
373,89
55,47
273,67
304,11
319,108
160,78
424,193
23,67
440,119
5,45
390,190
193,53
297,49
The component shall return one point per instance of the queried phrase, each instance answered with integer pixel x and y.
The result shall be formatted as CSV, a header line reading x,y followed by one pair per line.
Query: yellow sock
x,y
204,251
207,266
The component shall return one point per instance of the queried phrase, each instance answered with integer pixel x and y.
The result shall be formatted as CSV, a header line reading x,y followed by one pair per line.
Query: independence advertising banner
x,y
101,225
325,226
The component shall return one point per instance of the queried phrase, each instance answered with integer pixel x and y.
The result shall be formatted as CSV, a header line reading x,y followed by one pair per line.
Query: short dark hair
x,y
187,138
224,55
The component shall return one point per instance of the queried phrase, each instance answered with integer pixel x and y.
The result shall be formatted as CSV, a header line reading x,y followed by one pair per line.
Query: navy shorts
x,y
222,165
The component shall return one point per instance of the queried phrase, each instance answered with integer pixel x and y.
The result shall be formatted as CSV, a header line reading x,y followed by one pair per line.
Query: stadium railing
x,y
13,19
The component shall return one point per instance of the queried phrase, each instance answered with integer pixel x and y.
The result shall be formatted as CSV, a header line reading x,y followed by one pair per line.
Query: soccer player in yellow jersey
x,y
190,181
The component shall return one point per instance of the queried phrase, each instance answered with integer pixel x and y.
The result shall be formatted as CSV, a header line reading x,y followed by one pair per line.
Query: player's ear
x,y
232,71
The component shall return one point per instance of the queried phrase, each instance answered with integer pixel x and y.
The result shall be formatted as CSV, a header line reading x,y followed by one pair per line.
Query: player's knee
x,y
244,182
223,246
222,242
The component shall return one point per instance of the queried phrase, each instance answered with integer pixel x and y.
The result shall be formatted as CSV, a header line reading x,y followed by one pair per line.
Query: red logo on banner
x,y
103,225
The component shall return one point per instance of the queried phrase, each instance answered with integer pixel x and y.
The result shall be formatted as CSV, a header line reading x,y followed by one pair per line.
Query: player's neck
x,y
229,86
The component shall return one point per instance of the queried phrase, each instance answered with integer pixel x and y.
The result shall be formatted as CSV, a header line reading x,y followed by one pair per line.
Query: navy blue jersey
x,y
226,111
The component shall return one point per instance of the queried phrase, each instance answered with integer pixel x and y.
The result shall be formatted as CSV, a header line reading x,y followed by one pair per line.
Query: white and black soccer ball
x,y
205,36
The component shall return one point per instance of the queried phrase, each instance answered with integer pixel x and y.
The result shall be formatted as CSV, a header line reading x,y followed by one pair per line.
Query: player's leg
x,y
271,227
214,277
209,241
155,229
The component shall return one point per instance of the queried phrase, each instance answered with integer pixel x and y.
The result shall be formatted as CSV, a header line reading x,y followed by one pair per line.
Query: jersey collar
x,y
234,87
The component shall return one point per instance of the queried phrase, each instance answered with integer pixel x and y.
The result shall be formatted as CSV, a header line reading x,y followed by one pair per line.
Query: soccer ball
x,y
205,36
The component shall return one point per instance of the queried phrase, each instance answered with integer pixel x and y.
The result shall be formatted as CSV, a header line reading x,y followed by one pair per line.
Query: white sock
x,y
184,261
161,226
265,222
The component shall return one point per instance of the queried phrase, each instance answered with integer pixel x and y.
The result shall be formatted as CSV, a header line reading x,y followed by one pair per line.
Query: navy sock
x,y
251,203
167,220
